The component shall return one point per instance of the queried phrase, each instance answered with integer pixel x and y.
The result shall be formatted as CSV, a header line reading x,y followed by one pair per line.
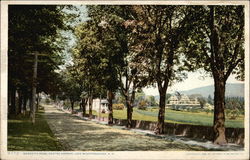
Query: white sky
x,y
194,80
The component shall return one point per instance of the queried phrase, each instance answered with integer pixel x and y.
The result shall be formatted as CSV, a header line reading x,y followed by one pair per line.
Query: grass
x,y
24,136
200,118
172,116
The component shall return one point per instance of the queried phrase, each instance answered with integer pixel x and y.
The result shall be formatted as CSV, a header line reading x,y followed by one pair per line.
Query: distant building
x,y
98,104
182,102
183,99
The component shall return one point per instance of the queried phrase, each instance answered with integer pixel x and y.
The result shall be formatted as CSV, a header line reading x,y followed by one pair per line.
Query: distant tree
x,y
167,97
142,105
202,101
70,88
209,100
234,103
139,96
152,101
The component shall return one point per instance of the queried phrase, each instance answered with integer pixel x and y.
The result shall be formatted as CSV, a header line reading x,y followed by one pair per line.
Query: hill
x,y
232,90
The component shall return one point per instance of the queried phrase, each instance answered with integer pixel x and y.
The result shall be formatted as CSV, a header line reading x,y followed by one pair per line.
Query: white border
x,y
116,155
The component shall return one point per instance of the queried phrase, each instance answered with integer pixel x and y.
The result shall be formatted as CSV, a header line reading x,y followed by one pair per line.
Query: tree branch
x,y
231,67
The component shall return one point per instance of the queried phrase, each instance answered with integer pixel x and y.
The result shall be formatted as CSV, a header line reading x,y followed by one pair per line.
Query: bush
x,y
142,105
47,101
118,106
194,110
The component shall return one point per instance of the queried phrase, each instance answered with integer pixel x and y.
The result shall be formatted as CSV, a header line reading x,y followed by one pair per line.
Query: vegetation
x,y
122,49
27,40
216,44
25,136
118,106
182,117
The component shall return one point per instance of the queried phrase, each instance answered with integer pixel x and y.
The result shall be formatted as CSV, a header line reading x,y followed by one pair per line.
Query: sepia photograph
x,y
101,80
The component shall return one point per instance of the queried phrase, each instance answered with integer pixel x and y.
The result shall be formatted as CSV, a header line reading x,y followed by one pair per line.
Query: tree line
x,y
34,31
125,48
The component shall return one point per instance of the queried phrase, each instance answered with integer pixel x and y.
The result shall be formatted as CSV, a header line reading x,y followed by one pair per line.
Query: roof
x,y
103,101
173,98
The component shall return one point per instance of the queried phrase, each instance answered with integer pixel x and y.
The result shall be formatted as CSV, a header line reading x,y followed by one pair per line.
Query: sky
x,y
194,80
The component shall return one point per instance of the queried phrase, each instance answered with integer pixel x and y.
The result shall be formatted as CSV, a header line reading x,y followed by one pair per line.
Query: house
x,y
182,102
99,105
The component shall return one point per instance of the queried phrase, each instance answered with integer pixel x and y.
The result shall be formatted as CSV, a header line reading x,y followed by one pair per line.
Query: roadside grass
x,y
24,136
172,116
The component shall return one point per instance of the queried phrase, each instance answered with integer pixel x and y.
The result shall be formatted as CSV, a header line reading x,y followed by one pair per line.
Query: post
x,y
100,108
34,85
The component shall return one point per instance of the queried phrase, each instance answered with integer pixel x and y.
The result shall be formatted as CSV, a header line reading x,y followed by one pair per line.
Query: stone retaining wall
x,y
234,135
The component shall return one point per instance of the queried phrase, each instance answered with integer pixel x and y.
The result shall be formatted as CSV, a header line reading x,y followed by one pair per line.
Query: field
x,y
172,116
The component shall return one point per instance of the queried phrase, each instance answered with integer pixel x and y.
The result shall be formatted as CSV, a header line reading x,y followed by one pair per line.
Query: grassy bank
x,y
24,136
172,116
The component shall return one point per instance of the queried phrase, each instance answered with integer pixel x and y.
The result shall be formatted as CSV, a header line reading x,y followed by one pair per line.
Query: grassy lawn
x,y
172,116
200,118
24,136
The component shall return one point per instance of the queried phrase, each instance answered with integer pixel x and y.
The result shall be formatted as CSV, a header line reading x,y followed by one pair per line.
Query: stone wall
x,y
234,135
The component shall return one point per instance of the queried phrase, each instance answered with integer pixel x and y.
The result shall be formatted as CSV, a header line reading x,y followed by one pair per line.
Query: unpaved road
x,y
82,135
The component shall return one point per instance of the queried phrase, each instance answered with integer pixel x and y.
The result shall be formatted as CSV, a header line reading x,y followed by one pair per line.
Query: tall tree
x,y
160,31
128,68
216,44
33,29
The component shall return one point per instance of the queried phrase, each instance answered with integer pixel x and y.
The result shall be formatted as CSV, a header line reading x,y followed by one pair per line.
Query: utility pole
x,y
34,85
99,117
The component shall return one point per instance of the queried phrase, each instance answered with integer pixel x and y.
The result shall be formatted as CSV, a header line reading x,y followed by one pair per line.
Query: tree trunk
x,y
110,107
37,102
72,106
90,106
161,115
34,85
129,113
24,102
219,114
20,102
83,107
30,103
13,100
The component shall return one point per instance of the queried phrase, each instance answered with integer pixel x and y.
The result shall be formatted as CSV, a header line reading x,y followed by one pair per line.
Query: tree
x,y
30,30
160,31
202,101
70,88
216,44
209,99
127,68
152,100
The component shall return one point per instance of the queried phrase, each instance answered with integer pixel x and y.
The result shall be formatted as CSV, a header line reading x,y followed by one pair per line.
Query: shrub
x,y
194,110
142,105
47,101
118,106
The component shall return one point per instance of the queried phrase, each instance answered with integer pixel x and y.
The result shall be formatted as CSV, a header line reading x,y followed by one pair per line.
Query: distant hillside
x,y
232,90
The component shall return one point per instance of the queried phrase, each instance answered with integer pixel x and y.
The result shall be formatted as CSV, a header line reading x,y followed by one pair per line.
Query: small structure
x,y
98,104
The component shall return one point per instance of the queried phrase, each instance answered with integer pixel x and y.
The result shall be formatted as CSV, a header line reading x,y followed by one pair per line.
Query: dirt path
x,y
81,135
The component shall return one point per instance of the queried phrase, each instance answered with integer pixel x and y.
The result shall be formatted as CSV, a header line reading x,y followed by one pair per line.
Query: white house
x,y
99,105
